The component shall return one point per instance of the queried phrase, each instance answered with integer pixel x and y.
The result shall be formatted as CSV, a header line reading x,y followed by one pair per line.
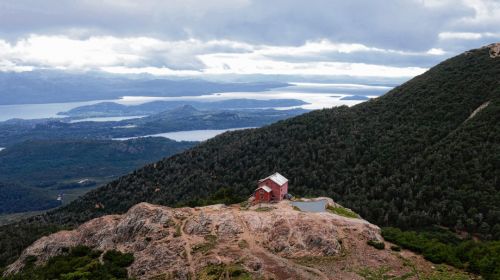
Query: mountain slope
x,y
395,159
34,172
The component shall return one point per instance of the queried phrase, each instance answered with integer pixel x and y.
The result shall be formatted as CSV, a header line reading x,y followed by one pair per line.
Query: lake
x,y
317,95
311,206
188,135
39,111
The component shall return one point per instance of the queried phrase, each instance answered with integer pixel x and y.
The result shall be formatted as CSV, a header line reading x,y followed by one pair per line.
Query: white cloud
x,y
8,66
479,26
254,63
467,35
158,71
106,51
459,35
436,51
195,57
486,12
326,46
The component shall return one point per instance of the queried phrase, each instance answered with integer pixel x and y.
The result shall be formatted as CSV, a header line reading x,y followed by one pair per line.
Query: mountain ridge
x,y
264,241
53,86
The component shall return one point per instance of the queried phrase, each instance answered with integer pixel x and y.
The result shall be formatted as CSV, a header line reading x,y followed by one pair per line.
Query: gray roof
x,y
265,188
277,178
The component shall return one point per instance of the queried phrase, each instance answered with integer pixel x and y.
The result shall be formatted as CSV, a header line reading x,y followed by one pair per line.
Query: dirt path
x,y
187,249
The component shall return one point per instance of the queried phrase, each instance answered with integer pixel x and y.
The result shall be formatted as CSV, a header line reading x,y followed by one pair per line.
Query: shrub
x,y
211,241
224,271
376,244
395,248
264,209
118,258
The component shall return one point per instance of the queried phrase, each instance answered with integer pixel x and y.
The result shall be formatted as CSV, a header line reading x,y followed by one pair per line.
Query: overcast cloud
x,y
371,38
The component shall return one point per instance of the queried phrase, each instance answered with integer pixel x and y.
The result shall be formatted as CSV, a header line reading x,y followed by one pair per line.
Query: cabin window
x,y
261,195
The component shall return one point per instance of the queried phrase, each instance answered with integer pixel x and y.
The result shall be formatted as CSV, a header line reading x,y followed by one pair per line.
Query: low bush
x,y
376,244
395,248
211,241
224,271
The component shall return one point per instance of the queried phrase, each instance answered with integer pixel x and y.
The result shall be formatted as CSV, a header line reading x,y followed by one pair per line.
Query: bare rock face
x,y
494,50
178,243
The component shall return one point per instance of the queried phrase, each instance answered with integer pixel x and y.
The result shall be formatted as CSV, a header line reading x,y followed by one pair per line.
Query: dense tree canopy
x,y
32,173
78,263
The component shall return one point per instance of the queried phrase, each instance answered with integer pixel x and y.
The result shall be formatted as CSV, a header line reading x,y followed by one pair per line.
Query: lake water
x,y
39,111
188,135
317,95
311,206
1,149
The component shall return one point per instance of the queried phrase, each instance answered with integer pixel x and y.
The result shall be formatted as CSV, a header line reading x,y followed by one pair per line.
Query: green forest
x,y
409,159
33,173
440,245
79,262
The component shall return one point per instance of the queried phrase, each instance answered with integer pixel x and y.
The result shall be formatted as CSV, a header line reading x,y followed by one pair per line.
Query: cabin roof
x,y
265,188
277,178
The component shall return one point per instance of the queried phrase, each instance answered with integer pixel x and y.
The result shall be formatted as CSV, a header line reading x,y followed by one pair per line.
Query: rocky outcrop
x,y
269,242
494,50
478,109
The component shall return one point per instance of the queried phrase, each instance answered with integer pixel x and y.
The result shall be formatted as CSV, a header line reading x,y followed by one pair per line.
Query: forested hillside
x,y
410,159
33,173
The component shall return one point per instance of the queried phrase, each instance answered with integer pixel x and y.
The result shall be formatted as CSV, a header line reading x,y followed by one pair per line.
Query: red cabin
x,y
272,188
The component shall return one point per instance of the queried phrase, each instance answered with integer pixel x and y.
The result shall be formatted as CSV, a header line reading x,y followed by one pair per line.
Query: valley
x,y
35,172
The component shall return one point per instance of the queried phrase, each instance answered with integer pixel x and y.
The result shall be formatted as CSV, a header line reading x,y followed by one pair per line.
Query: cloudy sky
x,y
313,38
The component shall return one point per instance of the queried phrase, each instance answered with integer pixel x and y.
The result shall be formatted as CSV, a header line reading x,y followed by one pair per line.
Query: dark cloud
x,y
224,35
397,24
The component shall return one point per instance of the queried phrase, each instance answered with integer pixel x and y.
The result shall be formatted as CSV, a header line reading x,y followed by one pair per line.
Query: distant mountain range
x,y
56,87
112,109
